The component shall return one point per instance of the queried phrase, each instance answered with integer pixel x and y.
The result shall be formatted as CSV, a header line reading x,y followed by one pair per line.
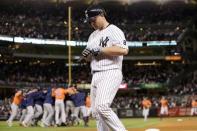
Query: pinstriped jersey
x,y
110,36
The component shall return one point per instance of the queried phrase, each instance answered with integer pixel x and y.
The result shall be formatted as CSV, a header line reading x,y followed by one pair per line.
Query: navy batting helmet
x,y
93,11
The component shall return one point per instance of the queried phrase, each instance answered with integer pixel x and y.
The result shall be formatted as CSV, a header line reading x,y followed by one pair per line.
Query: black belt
x,y
96,71
93,72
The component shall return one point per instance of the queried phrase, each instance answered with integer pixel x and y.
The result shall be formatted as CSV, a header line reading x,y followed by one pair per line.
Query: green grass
x,y
139,123
129,123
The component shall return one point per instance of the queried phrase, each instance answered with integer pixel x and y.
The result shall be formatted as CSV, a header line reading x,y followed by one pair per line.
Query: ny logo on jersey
x,y
103,42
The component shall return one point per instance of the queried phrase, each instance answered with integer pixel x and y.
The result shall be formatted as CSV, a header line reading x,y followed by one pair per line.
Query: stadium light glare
x,y
70,43
6,38
147,63
26,40
173,58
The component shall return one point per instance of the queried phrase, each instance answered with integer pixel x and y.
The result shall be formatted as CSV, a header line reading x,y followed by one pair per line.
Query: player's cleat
x,y
42,124
24,124
9,123
46,124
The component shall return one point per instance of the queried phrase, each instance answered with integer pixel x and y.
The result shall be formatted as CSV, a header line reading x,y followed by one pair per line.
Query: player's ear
x,y
102,15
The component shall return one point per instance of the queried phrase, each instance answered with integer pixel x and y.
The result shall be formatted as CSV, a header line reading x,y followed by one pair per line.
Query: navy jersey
x,y
39,98
30,98
78,99
23,104
49,99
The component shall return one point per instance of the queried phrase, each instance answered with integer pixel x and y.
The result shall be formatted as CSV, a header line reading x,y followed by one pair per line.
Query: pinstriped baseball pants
x,y
104,87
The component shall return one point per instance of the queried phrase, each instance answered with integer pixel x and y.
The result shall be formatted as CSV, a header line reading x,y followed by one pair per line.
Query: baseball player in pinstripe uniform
x,y
105,49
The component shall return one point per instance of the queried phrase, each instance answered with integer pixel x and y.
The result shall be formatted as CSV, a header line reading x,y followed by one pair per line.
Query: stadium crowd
x,y
55,28
150,74
52,73
158,23
5,107
186,86
24,72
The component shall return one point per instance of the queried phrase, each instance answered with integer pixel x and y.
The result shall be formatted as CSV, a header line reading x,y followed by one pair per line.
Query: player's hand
x,y
86,52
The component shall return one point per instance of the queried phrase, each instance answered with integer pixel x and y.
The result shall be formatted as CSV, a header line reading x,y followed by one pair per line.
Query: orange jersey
x,y
17,98
146,103
59,93
164,103
88,102
193,103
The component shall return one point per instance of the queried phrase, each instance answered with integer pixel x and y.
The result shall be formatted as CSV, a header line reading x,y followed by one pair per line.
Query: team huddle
x,y
52,107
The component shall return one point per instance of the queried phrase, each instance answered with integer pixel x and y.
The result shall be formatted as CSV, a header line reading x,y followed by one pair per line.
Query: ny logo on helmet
x,y
103,42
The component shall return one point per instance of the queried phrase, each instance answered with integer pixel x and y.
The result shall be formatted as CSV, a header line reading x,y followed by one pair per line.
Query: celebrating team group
x,y
50,107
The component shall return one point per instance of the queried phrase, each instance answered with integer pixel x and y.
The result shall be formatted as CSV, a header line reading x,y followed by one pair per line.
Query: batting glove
x,y
86,52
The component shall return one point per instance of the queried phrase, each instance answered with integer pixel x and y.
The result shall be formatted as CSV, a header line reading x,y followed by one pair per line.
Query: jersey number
x,y
124,42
